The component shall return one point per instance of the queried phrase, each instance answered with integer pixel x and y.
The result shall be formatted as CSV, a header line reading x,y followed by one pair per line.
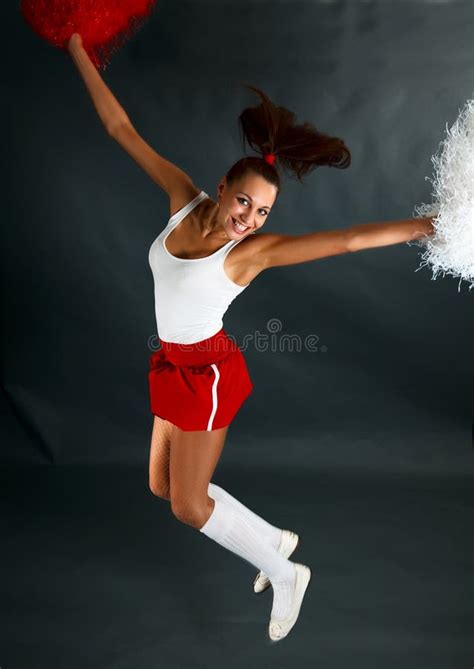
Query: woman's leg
x,y
158,468
159,479
193,458
269,532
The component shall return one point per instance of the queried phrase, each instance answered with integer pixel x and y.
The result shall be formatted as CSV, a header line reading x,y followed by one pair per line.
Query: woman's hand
x,y
75,41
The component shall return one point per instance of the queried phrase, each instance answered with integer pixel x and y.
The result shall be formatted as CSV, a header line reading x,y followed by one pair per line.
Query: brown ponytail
x,y
299,148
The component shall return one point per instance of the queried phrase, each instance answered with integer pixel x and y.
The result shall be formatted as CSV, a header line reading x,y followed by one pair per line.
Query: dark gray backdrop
x,y
389,392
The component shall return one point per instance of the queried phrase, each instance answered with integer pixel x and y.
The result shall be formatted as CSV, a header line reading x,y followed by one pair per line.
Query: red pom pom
x,y
104,25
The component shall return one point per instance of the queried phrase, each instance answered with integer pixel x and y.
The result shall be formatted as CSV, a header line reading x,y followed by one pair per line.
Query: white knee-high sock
x,y
231,529
269,532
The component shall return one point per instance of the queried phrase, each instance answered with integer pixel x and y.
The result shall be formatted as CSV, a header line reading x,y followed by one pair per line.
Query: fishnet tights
x,y
159,480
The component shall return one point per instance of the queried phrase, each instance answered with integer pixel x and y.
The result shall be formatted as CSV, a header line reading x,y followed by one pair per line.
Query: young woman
x,y
207,254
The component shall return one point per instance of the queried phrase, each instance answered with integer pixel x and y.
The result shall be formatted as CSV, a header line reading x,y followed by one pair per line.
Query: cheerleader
x,y
210,252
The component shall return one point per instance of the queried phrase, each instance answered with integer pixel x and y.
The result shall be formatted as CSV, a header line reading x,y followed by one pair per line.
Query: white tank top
x,y
191,295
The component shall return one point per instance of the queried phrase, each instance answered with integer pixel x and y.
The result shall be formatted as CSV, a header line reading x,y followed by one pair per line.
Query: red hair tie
x,y
270,158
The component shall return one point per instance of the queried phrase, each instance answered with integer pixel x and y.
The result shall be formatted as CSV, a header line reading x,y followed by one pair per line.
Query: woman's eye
x,y
242,199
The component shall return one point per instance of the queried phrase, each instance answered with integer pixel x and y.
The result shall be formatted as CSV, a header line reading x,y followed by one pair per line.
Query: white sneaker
x,y
288,543
278,629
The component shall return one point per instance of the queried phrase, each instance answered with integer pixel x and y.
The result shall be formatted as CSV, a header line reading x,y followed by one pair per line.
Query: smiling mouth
x,y
238,226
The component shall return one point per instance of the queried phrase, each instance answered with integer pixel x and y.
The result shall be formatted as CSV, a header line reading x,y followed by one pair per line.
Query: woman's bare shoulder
x,y
244,261
181,194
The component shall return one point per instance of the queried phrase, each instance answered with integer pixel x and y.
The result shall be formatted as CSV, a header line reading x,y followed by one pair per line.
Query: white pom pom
x,y
450,249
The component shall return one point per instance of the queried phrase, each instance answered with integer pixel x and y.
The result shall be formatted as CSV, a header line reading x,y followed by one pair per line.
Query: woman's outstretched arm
x,y
371,235
273,250
109,109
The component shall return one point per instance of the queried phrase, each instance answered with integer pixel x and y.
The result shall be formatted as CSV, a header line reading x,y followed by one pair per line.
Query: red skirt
x,y
199,386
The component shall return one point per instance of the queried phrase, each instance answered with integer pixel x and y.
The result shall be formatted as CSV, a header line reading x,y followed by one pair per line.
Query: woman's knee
x,y
194,512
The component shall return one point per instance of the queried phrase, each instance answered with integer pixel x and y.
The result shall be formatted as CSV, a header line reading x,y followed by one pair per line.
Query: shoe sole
x,y
308,575
266,581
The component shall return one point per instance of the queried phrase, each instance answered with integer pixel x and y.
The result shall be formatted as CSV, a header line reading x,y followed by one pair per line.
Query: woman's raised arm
x,y
110,111
171,178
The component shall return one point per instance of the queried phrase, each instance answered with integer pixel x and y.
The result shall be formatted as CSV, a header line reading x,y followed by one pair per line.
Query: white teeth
x,y
240,227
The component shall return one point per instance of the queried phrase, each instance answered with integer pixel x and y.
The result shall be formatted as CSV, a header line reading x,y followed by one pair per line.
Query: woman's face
x,y
247,202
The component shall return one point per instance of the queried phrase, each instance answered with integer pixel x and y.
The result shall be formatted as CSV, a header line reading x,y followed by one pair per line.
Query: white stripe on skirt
x,y
214,397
